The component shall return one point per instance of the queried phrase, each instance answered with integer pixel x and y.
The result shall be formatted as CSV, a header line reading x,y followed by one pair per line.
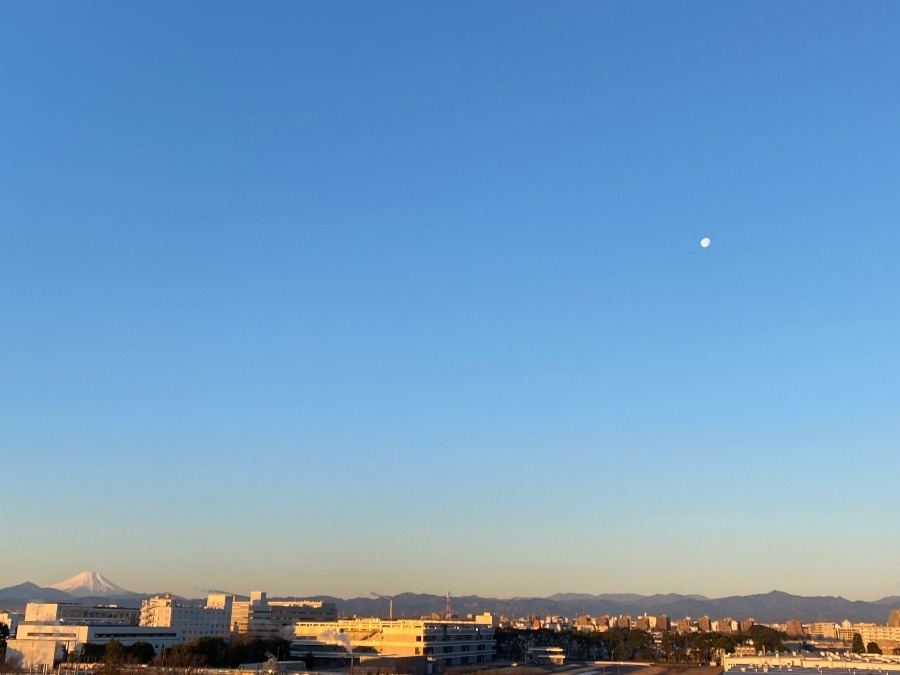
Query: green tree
x,y
873,648
858,646
114,652
114,657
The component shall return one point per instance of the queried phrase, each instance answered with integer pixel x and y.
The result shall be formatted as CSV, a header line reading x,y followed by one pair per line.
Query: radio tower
x,y
447,613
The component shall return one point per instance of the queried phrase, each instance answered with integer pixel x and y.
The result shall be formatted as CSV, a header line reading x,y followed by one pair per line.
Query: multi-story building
x,y
85,615
886,637
450,643
821,630
845,632
272,618
212,620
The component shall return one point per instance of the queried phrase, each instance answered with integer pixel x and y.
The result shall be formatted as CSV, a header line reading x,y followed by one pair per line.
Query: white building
x,y
276,618
212,620
74,613
40,644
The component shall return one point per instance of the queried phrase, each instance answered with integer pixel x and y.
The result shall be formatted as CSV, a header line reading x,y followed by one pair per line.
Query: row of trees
x,y
634,645
221,653
208,651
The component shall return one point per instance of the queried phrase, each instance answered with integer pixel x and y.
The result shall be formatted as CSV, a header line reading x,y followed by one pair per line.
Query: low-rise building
x,y
43,644
86,615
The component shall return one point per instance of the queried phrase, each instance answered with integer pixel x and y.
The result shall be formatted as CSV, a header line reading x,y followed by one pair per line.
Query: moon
x,y
705,242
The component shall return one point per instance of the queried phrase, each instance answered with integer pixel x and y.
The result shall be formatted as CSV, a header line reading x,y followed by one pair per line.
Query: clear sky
x,y
328,297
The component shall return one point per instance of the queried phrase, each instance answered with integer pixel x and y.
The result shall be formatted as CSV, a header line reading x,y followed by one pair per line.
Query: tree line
x,y
621,644
212,652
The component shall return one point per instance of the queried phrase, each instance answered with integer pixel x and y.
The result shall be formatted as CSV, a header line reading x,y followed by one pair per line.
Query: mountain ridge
x,y
772,607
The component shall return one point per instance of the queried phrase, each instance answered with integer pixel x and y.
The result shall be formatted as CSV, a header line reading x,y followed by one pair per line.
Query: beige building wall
x,y
31,654
448,642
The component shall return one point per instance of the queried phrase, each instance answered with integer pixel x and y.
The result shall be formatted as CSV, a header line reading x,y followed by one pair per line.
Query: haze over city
x,y
323,298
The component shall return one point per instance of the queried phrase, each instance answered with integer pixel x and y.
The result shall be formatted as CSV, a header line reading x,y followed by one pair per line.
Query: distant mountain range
x,y
86,588
773,607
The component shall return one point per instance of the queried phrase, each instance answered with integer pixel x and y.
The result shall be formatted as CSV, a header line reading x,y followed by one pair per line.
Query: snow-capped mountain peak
x,y
90,584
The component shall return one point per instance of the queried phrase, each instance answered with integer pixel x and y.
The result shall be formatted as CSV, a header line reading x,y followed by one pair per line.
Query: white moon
x,y
705,242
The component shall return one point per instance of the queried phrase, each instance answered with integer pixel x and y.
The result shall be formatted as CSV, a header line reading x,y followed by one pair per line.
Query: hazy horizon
x,y
200,593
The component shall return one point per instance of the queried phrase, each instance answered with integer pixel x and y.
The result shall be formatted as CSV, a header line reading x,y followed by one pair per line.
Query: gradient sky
x,y
325,298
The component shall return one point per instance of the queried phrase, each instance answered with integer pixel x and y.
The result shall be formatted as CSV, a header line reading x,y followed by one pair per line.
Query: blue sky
x,y
325,297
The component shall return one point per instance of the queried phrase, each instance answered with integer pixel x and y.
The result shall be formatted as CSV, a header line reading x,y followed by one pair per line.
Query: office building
x,y
211,620
450,643
262,617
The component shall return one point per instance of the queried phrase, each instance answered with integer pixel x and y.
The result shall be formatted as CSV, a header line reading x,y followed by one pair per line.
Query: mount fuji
x,y
90,584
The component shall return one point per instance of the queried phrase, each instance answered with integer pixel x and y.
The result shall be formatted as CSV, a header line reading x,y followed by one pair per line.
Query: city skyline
x,y
349,297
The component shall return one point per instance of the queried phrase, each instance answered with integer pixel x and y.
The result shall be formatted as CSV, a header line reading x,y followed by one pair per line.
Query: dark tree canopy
x,y
140,652
634,645
219,653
